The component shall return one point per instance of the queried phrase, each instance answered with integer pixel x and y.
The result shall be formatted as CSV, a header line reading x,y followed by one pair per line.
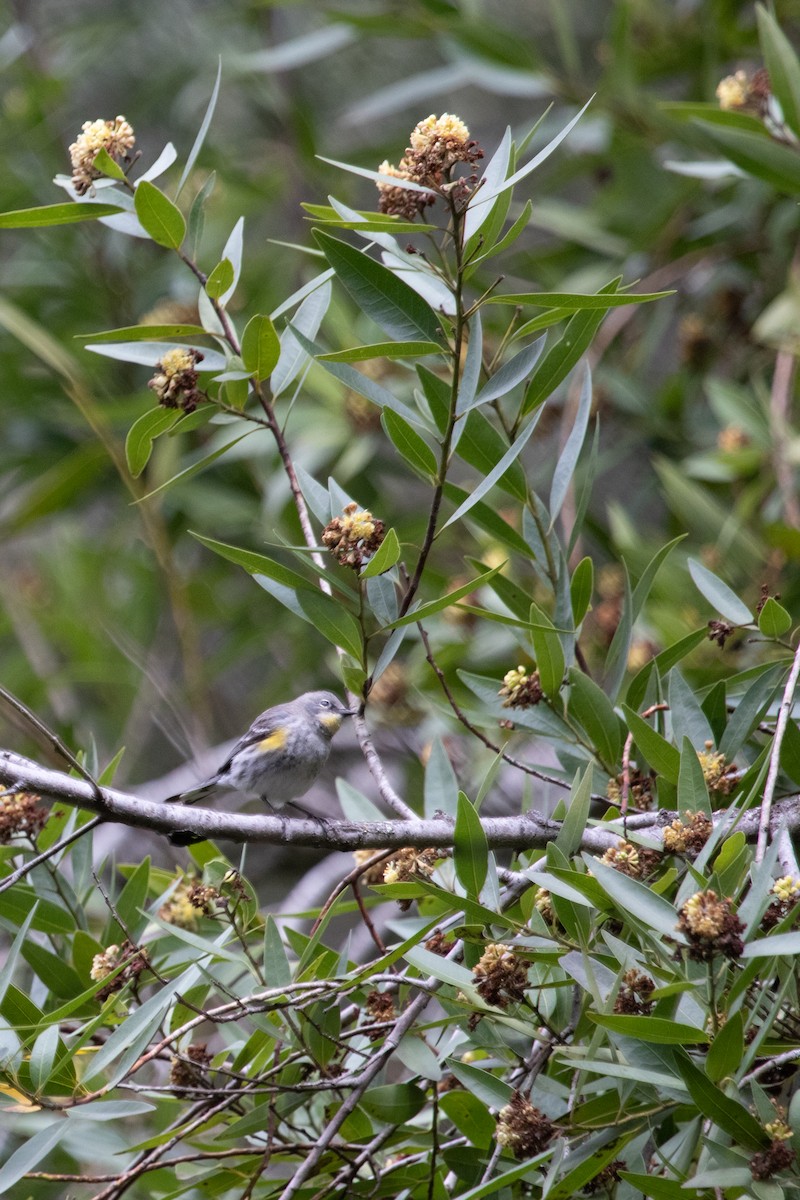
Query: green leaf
x,y
441,792
382,350
260,347
142,434
433,606
197,145
482,446
562,357
568,459
497,472
581,588
692,789
381,294
651,1029
575,301
56,214
256,564
221,279
725,1056
548,651
658,1187
489,1089
143,333
470,848
384,557
776,945
159,216
355,380
776,165
197,215
410,445
489,519
647,578
331,620
773,620
730,1116
782,66
719,595
196,467
509,375
470,1117
393,1103
107,165
634,899
592,709
661,754
32,1151
574,823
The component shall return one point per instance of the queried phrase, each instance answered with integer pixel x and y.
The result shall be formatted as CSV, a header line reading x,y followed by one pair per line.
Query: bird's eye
x,y
324,703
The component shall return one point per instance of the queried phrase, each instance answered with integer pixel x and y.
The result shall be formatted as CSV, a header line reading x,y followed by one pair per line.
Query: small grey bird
x,y
281,754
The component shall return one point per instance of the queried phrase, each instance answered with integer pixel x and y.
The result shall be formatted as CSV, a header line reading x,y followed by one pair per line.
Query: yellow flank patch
x,y
275,741
331,721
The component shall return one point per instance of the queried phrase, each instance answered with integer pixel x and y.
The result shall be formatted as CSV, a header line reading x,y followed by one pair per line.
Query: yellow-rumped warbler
x,y
281,754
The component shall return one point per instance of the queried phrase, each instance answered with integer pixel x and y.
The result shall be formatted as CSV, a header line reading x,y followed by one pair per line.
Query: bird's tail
x,y
193,794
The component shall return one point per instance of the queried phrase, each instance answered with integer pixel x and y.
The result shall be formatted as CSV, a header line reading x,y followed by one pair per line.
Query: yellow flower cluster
x,y
787,888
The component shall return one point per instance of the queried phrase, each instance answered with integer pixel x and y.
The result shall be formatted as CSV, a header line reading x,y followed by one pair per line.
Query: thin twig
x,y
774,759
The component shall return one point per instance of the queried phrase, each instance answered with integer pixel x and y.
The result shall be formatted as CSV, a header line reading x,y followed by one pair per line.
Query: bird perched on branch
x,y
281,754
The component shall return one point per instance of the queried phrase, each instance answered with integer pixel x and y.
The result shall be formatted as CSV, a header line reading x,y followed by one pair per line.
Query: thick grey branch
x,y
528,830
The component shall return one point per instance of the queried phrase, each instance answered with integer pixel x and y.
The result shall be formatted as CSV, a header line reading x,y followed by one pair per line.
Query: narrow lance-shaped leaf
x,y
201,133
496,473
56,214
494,176
537,160
434,606
388,300
470,376
568,459
719,595
575,301
561,358
548,652
470,848
761,157
509,375
411,445
782,66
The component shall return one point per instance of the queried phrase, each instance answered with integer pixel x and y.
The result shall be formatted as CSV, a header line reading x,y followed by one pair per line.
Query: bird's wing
x,y
263,728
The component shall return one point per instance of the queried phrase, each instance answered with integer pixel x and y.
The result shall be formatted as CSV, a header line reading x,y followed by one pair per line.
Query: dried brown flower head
x,y
711,927
501,978
605,1179
624,858
135,961
400,201
640,789
437,145
439,943
175,380
732,439
520,689
115,137
380,1007
777,1157
634,993
719,632
689,836
189,1070
410,862
522,1128
21,815
190,900
353,537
